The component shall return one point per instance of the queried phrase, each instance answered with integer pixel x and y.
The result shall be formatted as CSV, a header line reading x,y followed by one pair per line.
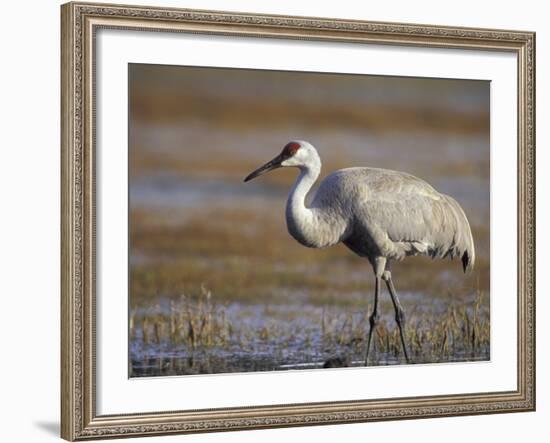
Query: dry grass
x,y
194,323
460,333
197,326
247,255
253,113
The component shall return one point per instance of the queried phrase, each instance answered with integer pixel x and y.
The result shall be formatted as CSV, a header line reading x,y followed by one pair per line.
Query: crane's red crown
x,y
290,149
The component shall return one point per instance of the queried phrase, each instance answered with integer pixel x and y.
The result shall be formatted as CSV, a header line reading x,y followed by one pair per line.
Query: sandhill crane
x,y
379,214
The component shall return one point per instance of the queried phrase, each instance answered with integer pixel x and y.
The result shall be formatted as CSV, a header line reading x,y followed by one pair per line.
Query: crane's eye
x,y
290,149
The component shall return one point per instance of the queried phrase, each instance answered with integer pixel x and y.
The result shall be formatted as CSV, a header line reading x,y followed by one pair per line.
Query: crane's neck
x,y
308,225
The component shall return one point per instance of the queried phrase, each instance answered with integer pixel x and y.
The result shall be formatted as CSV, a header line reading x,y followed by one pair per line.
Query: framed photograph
x,y
283,221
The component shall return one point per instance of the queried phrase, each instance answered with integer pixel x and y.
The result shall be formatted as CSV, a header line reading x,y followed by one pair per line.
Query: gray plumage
x,y
394,215
379,214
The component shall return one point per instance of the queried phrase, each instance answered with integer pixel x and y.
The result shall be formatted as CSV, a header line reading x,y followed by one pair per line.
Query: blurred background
x,y
216,282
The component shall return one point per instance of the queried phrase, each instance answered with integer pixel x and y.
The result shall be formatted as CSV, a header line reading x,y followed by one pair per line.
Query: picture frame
x,y
80,23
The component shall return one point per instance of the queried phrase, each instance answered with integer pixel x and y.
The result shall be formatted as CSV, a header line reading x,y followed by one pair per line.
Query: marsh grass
x,y
459,333
194,323
252,113
247,255
199,330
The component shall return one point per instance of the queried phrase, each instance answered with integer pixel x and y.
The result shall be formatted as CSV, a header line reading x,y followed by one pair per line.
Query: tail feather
x,y
467,263
463,237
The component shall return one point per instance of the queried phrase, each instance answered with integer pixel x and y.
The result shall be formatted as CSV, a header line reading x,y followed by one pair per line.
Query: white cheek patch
x,y
289,162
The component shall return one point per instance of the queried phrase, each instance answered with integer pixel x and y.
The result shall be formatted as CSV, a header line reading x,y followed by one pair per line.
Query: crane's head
x,y
297,153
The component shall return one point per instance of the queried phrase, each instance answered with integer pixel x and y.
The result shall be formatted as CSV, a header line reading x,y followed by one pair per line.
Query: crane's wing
x,y
406,216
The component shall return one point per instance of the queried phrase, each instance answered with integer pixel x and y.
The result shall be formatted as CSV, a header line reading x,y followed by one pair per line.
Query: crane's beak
x,y
269,166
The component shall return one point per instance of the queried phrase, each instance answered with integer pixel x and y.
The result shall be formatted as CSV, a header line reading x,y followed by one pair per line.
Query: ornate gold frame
x,y
79,22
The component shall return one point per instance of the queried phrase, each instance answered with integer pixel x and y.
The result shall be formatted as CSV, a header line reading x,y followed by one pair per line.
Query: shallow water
x,y
418,154
278,338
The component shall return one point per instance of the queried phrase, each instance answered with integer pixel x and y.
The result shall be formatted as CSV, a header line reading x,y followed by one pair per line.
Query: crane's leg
x,y
378,266
399,312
